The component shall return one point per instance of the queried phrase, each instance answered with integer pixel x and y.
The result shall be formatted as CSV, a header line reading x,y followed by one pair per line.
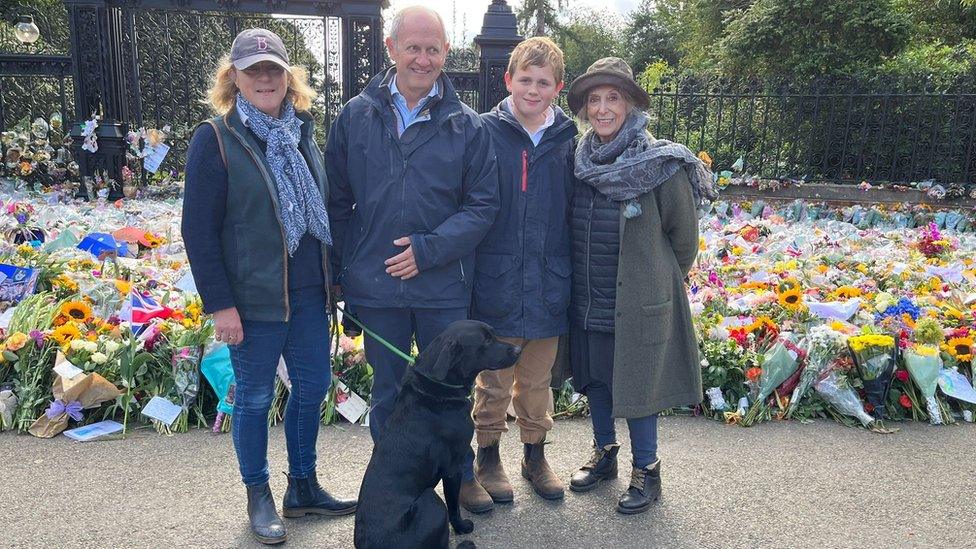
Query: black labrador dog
x,y
425,441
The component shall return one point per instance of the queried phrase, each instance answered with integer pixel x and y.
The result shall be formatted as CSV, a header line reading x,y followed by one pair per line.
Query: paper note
x,y
95,430
67,370
161,409
155,158
349,404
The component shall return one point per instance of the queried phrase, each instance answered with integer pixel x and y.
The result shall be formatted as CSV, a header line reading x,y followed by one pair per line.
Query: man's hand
x,y
227,326
402,265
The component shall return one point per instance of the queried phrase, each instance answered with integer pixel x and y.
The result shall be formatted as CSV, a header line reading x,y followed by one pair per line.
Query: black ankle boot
x,y
265,523
602,466
644,489
305,495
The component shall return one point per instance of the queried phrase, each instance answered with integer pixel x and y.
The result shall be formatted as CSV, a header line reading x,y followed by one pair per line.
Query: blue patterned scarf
x,y
302,208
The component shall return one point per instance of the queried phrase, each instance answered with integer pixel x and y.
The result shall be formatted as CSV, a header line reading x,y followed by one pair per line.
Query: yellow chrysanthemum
x,y
861,342
77,311
961,348
925,350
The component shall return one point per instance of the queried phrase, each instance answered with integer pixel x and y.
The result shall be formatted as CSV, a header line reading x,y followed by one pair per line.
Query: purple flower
x,y
21,218
38,337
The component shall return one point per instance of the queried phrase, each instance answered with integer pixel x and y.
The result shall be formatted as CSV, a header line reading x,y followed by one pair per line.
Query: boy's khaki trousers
x,y
527,383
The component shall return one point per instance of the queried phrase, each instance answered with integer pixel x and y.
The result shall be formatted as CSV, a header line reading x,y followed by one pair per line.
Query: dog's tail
x,y
466,544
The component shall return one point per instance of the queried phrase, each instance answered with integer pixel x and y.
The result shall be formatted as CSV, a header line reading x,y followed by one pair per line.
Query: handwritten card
x,y
350,405
161,409
155,157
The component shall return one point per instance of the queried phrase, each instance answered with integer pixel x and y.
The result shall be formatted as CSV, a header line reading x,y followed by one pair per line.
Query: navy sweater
x,y
204,205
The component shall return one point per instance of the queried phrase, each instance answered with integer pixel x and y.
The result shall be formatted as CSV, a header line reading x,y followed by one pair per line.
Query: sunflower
x,y
65,282
65,333
961,348
78,311
846,292
150,240
791,299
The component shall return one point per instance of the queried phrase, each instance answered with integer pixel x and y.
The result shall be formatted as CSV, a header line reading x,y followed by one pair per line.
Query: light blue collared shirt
x,y
407,117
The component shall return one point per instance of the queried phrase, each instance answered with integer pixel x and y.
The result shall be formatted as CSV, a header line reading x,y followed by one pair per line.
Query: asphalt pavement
x,y
775,484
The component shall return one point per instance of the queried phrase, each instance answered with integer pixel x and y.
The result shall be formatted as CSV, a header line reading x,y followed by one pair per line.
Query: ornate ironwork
x,y
499,36
829,129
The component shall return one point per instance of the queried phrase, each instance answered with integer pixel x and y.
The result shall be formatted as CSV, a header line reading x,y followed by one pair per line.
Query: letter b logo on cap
x,y
262,43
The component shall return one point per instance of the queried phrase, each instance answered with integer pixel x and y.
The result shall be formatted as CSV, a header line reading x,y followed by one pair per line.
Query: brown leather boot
x,y
474,498
488,468
536,470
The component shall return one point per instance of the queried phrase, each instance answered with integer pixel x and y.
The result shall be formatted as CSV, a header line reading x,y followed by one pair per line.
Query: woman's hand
x,y
227,326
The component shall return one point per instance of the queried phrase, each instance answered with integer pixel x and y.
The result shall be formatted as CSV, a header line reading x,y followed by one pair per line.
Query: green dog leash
x,y
374,335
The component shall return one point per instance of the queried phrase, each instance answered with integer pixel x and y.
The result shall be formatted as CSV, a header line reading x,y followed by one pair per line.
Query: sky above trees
x,y
463,17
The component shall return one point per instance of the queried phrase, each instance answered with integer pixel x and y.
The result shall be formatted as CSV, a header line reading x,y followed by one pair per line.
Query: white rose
x,y
99,358
77,344
111,346
91,346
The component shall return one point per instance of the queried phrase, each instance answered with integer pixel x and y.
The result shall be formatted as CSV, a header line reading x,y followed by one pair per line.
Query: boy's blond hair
x,y
539,51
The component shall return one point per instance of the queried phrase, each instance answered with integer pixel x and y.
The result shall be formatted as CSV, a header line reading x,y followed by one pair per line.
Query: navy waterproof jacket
x,y
522,280
437,184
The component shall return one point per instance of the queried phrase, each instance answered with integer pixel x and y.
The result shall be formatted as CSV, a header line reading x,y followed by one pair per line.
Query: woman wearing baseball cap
x,y
632,345
256,233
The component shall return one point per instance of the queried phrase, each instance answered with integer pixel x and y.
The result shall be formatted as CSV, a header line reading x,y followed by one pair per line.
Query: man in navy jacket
x,y
413,190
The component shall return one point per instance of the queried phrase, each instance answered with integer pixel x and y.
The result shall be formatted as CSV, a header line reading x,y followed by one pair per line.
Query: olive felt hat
x,y
609,71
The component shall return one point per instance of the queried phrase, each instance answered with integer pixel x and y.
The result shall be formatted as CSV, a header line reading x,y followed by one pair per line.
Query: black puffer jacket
x,y
595,223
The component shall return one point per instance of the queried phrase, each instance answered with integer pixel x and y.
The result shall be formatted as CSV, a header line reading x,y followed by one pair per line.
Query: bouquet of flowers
x,y
933,244
822,346
874,357
837,391
924,364
779,362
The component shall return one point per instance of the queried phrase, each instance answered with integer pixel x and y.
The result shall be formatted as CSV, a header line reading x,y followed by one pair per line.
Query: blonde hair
x,y
631,104
539,51
223,91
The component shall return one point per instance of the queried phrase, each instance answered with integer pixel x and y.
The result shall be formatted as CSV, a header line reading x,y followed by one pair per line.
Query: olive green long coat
x,y
656,363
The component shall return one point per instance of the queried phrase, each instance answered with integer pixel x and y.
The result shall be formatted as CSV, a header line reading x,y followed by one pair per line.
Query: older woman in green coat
x,y
635,236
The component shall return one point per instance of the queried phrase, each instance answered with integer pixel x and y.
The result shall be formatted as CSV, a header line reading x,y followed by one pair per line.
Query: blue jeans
x,y
643,430
399,327
303,341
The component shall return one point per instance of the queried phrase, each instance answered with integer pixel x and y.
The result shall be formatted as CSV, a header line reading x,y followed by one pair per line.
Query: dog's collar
x,y
433,384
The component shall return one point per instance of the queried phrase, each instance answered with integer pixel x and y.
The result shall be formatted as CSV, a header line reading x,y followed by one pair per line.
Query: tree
x,y
948,22
539,16
651,34
812,37
585,36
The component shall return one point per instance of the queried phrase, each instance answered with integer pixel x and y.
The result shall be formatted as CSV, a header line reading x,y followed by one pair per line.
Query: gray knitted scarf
x,y
302,208
634,163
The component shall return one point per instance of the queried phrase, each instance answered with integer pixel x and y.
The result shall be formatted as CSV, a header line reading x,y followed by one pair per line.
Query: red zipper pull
x,y
525,170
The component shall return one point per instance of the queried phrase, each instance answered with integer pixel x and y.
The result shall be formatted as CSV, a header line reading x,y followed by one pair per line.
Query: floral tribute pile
x,y
858,314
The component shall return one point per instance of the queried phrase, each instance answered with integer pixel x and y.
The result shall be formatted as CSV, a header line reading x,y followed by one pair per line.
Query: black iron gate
x,y
147,63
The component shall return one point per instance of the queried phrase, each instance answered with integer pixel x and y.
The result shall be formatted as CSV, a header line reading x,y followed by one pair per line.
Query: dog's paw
x,y
463,526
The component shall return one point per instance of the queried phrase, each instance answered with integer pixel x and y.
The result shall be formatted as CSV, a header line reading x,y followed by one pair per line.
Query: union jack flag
x,y
141,309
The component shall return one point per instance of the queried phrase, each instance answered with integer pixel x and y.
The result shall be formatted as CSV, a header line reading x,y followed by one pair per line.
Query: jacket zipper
x,y
525,170
589,289
274,204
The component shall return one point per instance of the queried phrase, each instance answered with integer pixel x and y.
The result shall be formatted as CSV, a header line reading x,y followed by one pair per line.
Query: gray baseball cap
x,y
255,45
